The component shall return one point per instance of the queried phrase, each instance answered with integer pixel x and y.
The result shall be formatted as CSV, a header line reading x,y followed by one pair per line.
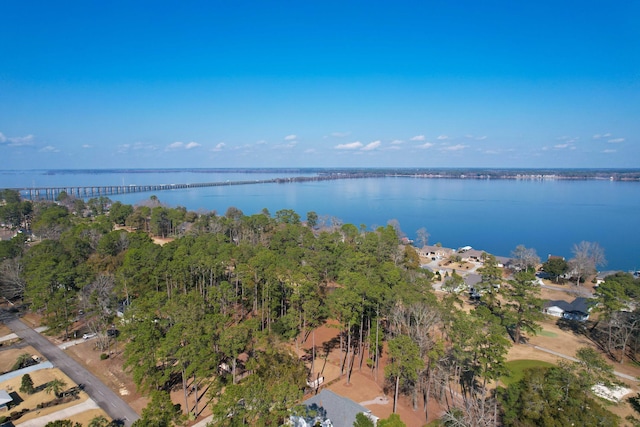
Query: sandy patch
x,y
9,356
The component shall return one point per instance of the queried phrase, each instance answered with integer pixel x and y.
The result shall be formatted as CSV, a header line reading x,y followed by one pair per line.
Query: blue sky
x,y
87,84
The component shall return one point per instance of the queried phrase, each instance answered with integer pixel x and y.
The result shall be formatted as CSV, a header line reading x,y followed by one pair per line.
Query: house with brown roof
x,y
437,252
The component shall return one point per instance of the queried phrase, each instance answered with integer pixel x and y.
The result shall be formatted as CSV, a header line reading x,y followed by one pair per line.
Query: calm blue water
x,y
491,215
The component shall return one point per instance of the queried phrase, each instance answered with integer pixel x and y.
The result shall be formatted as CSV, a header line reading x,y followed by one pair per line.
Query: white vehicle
x,y
88,336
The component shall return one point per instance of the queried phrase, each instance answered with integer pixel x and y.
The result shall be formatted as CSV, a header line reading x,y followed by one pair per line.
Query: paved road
x,y
110,402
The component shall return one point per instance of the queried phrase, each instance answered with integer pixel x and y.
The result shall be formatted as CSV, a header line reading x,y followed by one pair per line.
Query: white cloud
x,y
86,146
181,145
457,147
418,138
49,149
218,146
371,146
310,150
599,136
481,138
261,142
426,145
138,146
561,146
16,141
477,138
290,137
19,141
397,142
287,145
175,145
442,137
350,146
616,140
568,139
608,151
340,134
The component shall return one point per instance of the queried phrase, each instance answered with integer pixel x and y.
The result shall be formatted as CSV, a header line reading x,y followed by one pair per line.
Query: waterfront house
x,y
435,252
503,261
472,255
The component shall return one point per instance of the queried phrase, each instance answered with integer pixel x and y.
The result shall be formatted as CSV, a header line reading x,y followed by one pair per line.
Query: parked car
x,y
89,335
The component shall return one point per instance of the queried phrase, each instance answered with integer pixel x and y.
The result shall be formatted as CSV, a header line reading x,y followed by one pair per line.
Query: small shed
x,y
5,400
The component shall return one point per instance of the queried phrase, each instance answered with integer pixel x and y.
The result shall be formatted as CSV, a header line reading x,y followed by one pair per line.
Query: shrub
x,y
104,356
26,386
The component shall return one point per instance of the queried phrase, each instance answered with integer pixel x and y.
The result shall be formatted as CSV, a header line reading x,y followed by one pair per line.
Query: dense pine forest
x,y
217,310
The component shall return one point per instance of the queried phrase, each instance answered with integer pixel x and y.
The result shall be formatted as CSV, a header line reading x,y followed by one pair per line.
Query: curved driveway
x,y
110,402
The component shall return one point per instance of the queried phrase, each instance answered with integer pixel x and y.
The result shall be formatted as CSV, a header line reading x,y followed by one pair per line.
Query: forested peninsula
x,y
222,308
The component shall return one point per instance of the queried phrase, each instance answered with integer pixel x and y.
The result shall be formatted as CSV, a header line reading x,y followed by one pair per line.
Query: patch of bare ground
x,y
85,417
4,330
32,319
162,240
365,385
109,371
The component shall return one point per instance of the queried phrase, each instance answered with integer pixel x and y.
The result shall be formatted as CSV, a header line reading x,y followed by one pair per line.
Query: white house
x,y
554,310
5,400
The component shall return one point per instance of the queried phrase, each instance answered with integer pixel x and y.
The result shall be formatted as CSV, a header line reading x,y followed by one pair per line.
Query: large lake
x,y
491,215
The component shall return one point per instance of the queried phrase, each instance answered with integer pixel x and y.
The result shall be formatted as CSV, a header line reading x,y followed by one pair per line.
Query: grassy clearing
x,y
517,367
549,334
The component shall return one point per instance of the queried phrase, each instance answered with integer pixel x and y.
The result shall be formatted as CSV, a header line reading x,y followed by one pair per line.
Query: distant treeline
x,y
455,173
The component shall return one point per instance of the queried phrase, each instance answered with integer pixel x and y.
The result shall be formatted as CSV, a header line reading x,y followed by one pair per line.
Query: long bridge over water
x,y
85,192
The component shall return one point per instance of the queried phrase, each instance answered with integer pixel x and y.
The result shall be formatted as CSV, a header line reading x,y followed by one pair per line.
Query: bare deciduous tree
x,y
422,237
474,412
12,285
524,258
97,299
587,256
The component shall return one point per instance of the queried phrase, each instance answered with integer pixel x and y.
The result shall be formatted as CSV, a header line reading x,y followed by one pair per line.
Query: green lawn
x,y
517,367
549,334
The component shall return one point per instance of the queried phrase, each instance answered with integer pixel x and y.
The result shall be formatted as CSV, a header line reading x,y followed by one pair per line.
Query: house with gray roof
x,y
578,309
5,400
328,409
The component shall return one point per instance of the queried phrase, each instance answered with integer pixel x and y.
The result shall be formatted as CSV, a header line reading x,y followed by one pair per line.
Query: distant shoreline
x,y
430,173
